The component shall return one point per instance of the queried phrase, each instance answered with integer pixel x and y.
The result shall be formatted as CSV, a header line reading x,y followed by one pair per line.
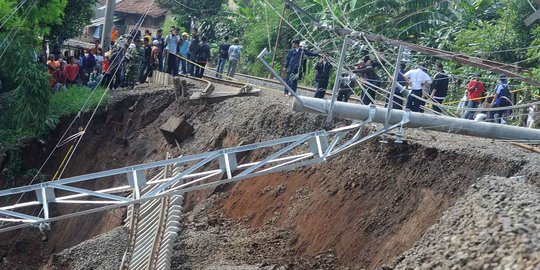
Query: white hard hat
x,y
155,42
132,46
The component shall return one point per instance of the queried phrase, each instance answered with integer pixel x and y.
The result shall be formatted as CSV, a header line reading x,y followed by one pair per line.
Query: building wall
x,y
150,23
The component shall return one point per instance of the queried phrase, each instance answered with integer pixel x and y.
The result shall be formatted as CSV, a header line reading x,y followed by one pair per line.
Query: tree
x,y
77,14
187,11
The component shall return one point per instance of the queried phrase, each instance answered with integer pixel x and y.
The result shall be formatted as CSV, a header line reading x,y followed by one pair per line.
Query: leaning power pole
x,y
107,26
278,33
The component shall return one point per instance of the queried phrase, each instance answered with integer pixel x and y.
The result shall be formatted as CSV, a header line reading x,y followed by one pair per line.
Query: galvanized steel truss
x,y
199,171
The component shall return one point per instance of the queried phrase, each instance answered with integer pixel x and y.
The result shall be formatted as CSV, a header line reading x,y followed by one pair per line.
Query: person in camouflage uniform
x,y
135,57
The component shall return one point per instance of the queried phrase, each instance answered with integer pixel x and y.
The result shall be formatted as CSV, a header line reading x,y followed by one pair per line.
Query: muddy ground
x,y
361,210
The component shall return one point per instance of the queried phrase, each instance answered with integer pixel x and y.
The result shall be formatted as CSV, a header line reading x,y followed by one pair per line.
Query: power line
x,y
12,13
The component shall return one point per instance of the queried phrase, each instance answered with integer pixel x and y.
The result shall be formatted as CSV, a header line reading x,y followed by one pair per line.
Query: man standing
x,y
475,89
439,88
154,58
223,56
530,116
234,57
293,64
172,48
501,99
72,71
159,38
184,52
114,34
114,72
346,86
322,76
146,62
135,57
419,81
397,104
370,75
203,54
192,50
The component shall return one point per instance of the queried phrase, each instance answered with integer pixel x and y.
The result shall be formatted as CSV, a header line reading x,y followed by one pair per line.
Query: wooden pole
x,y
278,34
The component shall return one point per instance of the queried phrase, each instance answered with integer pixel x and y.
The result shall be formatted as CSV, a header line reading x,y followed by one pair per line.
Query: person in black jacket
x,y
203,54
439,88
322,76
367,71
223,56
293,64
192,50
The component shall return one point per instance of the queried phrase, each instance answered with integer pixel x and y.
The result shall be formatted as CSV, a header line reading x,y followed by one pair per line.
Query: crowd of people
x,y
132,58
420,85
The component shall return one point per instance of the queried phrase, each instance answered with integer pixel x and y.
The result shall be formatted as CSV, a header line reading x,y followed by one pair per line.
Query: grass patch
x,y
73,99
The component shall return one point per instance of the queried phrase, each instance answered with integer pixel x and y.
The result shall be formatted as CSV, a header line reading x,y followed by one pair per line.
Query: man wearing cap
x,y
293,64
184,52
419,81
501,99
154,57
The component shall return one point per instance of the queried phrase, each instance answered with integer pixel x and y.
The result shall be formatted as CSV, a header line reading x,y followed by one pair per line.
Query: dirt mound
x,y
493,226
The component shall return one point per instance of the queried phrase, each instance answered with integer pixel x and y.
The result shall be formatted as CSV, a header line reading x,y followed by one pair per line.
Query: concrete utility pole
x,y
335,89
420,120
394,85
107,26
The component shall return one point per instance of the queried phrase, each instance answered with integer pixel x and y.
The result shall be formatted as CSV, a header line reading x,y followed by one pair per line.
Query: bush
x,y
73,99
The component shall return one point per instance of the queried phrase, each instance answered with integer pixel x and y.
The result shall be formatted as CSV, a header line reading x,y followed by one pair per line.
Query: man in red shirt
x,y
72,71
60,77
475,91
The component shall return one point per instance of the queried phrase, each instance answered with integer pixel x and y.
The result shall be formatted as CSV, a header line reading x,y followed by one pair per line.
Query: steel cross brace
x,y
199,171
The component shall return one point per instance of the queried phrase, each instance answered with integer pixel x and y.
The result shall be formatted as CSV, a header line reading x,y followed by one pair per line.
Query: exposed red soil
x,y
368,211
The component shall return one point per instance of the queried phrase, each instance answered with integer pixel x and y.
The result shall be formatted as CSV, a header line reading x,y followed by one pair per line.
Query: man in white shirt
x,y
530,117
419,82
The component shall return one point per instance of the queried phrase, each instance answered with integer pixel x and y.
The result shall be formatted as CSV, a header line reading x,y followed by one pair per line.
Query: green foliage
x,y
74,99
27,86
77,14
13,167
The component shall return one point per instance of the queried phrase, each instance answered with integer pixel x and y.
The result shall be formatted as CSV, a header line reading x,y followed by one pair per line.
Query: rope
x,y
12,13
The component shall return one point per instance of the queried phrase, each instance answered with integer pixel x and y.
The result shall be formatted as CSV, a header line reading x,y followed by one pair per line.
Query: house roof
x,y
138,7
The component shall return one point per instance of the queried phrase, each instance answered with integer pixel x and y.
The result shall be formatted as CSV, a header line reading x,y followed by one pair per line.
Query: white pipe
x,y
421,120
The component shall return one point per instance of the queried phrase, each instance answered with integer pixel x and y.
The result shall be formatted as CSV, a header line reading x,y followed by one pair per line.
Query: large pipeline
x,y
421,120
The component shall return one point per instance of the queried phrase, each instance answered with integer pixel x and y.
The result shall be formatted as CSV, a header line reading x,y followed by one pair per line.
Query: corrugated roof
x,y
138,7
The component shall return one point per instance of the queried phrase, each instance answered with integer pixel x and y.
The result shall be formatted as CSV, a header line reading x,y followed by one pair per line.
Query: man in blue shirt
x,y
502,98
293,64
172,41
184,52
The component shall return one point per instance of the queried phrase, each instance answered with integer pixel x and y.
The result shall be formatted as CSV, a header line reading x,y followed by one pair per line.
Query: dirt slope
x,y
360,210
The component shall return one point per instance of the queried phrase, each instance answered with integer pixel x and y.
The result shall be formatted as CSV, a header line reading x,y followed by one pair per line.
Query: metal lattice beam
x,y
199,171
